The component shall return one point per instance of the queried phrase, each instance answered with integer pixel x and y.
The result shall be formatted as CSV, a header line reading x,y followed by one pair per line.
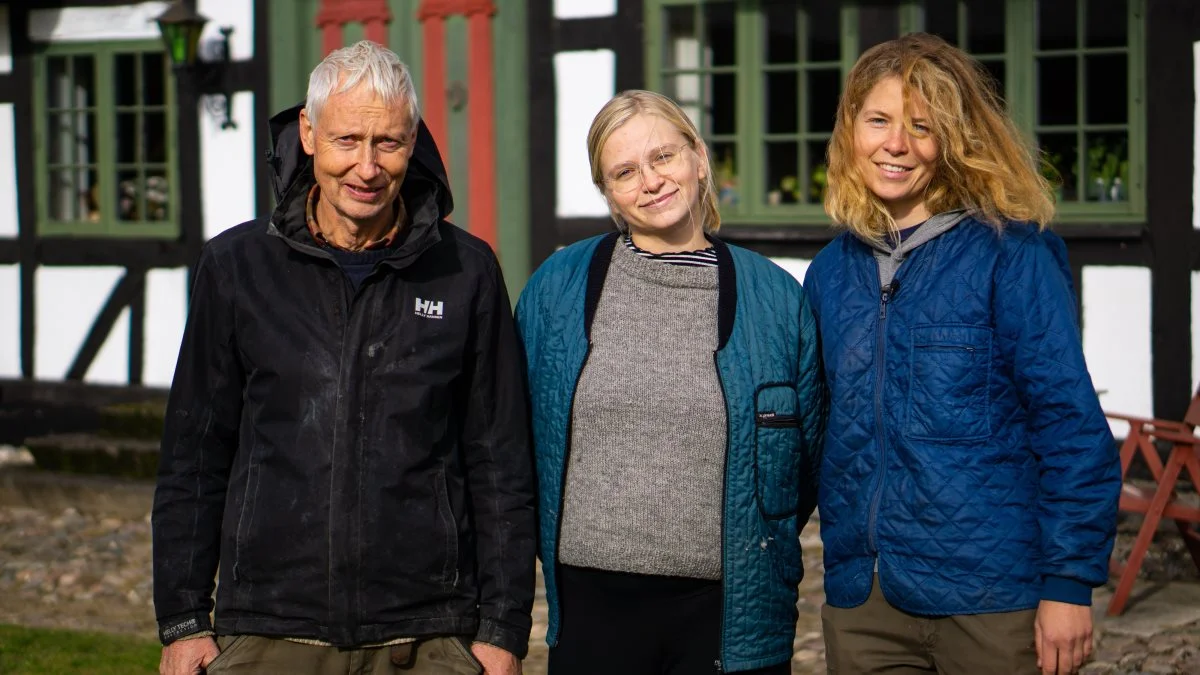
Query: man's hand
x,y
495,660
188,657
1062,634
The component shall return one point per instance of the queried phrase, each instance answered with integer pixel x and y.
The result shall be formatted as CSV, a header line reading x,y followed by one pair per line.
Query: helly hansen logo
x,y
430,309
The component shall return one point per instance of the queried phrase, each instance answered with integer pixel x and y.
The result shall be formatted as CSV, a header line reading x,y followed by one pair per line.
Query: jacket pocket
x,y
949,378
776,450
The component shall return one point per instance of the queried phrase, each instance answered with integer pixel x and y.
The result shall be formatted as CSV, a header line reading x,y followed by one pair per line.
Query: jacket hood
x,y
291,167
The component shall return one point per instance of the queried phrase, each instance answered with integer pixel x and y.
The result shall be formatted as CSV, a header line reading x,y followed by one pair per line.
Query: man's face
x,y
361,145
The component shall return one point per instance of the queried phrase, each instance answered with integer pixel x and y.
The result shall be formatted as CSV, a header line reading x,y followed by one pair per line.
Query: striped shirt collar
x,y
706,257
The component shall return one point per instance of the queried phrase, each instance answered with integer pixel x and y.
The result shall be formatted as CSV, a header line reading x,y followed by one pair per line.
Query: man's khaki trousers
x,y
250,654
878,638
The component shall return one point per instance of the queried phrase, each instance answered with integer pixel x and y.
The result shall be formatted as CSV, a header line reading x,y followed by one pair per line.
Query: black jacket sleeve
x,y
495,442
198,445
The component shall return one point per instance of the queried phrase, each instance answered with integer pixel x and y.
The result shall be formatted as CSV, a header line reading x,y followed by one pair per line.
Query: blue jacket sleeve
x,y
1080,473
814,409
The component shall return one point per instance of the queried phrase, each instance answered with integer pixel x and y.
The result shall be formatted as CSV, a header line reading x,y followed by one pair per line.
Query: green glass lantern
x,y
181,26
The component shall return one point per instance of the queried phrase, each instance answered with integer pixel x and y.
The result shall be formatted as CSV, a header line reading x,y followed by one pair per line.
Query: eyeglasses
x,y
664,161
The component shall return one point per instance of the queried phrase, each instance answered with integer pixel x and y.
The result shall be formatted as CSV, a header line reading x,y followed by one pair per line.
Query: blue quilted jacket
x,y
768,366
966,451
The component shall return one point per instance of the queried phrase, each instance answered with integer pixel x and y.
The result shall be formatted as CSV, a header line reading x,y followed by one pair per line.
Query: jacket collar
x,y
726,285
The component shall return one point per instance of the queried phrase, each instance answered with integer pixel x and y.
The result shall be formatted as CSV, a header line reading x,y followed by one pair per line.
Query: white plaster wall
x,y
796,267
236,14
1116,338
68,301
5,42
166,313
8,172
578,9
1195,328
134,21
10,321
584,81
227,167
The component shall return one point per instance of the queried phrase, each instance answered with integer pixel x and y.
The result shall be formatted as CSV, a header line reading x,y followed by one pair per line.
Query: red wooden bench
x,y
1163,501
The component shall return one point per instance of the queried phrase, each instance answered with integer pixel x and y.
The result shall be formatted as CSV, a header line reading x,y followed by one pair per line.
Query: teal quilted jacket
x,y
767,361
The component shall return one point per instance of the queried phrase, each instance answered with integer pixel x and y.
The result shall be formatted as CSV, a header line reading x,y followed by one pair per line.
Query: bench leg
x,y
1162,495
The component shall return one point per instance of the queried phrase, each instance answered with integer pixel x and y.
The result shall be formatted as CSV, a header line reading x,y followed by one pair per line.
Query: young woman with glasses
x,y
678,410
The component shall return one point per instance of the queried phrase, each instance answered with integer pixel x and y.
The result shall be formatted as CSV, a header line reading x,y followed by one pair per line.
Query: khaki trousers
x,y
246,654
878,638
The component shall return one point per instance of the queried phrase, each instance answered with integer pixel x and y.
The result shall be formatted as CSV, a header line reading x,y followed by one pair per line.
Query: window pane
x,y
157,207
779,19
1107,167
722,154
941,18
73,195
685,89
129,195
127,138
985,26
1106,23
60,136
1057,90
58,81
783,97
1057,24
681,48
1059,153
722,105
155,140
783,162
817,180
125,76
824,31
154,79
995,68
720,42
1107,89
83,93
824,87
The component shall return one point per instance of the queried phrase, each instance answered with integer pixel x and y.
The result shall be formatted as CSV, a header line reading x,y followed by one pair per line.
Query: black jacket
x,y
358,463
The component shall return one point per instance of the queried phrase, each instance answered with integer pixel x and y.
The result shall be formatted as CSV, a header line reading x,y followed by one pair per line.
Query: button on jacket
x,y
357,462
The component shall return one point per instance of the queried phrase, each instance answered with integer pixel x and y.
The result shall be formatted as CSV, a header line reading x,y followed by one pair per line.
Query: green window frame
x,y
1094,142
104,123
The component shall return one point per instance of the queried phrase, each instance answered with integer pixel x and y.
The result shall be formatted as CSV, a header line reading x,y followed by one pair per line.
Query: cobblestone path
x,y
71,570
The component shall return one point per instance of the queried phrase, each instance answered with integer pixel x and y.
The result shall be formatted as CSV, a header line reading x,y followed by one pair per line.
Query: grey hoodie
x,y
890,258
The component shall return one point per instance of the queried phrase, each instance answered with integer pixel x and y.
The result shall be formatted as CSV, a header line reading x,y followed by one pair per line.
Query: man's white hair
x,y
364,61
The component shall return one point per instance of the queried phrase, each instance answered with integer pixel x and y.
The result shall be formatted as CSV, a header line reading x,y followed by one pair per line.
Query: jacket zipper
x,y
773,421
719,663
881,323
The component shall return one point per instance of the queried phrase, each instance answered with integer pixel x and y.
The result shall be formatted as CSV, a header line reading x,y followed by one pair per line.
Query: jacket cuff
x,y
511,640
182,625
1062,589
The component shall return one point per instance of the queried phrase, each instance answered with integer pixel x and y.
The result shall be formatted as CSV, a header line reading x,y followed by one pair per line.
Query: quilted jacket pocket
x,y
949,374
777,450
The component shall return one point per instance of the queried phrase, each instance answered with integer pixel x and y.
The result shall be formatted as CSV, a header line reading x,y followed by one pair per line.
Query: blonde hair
x,y
629,104
984,163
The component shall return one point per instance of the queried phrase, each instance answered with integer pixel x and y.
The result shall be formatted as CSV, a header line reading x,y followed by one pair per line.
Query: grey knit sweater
x,y
644,483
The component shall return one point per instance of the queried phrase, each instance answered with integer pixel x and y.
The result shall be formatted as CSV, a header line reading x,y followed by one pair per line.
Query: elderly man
x,y
346,433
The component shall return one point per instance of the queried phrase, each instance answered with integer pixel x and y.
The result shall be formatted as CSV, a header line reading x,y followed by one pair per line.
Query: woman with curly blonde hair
x,y
969,483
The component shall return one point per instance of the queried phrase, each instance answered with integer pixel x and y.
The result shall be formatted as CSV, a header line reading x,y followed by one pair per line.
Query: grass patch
x,y
37,651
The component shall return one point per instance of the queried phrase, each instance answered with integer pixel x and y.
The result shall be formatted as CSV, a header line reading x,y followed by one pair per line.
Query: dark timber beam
x,y
128,289
1171,28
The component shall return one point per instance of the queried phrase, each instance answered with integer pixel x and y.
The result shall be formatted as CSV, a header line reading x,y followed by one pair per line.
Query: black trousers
x,y
634,624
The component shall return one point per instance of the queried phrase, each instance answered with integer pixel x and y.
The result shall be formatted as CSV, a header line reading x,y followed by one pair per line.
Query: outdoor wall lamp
x,y
180,26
